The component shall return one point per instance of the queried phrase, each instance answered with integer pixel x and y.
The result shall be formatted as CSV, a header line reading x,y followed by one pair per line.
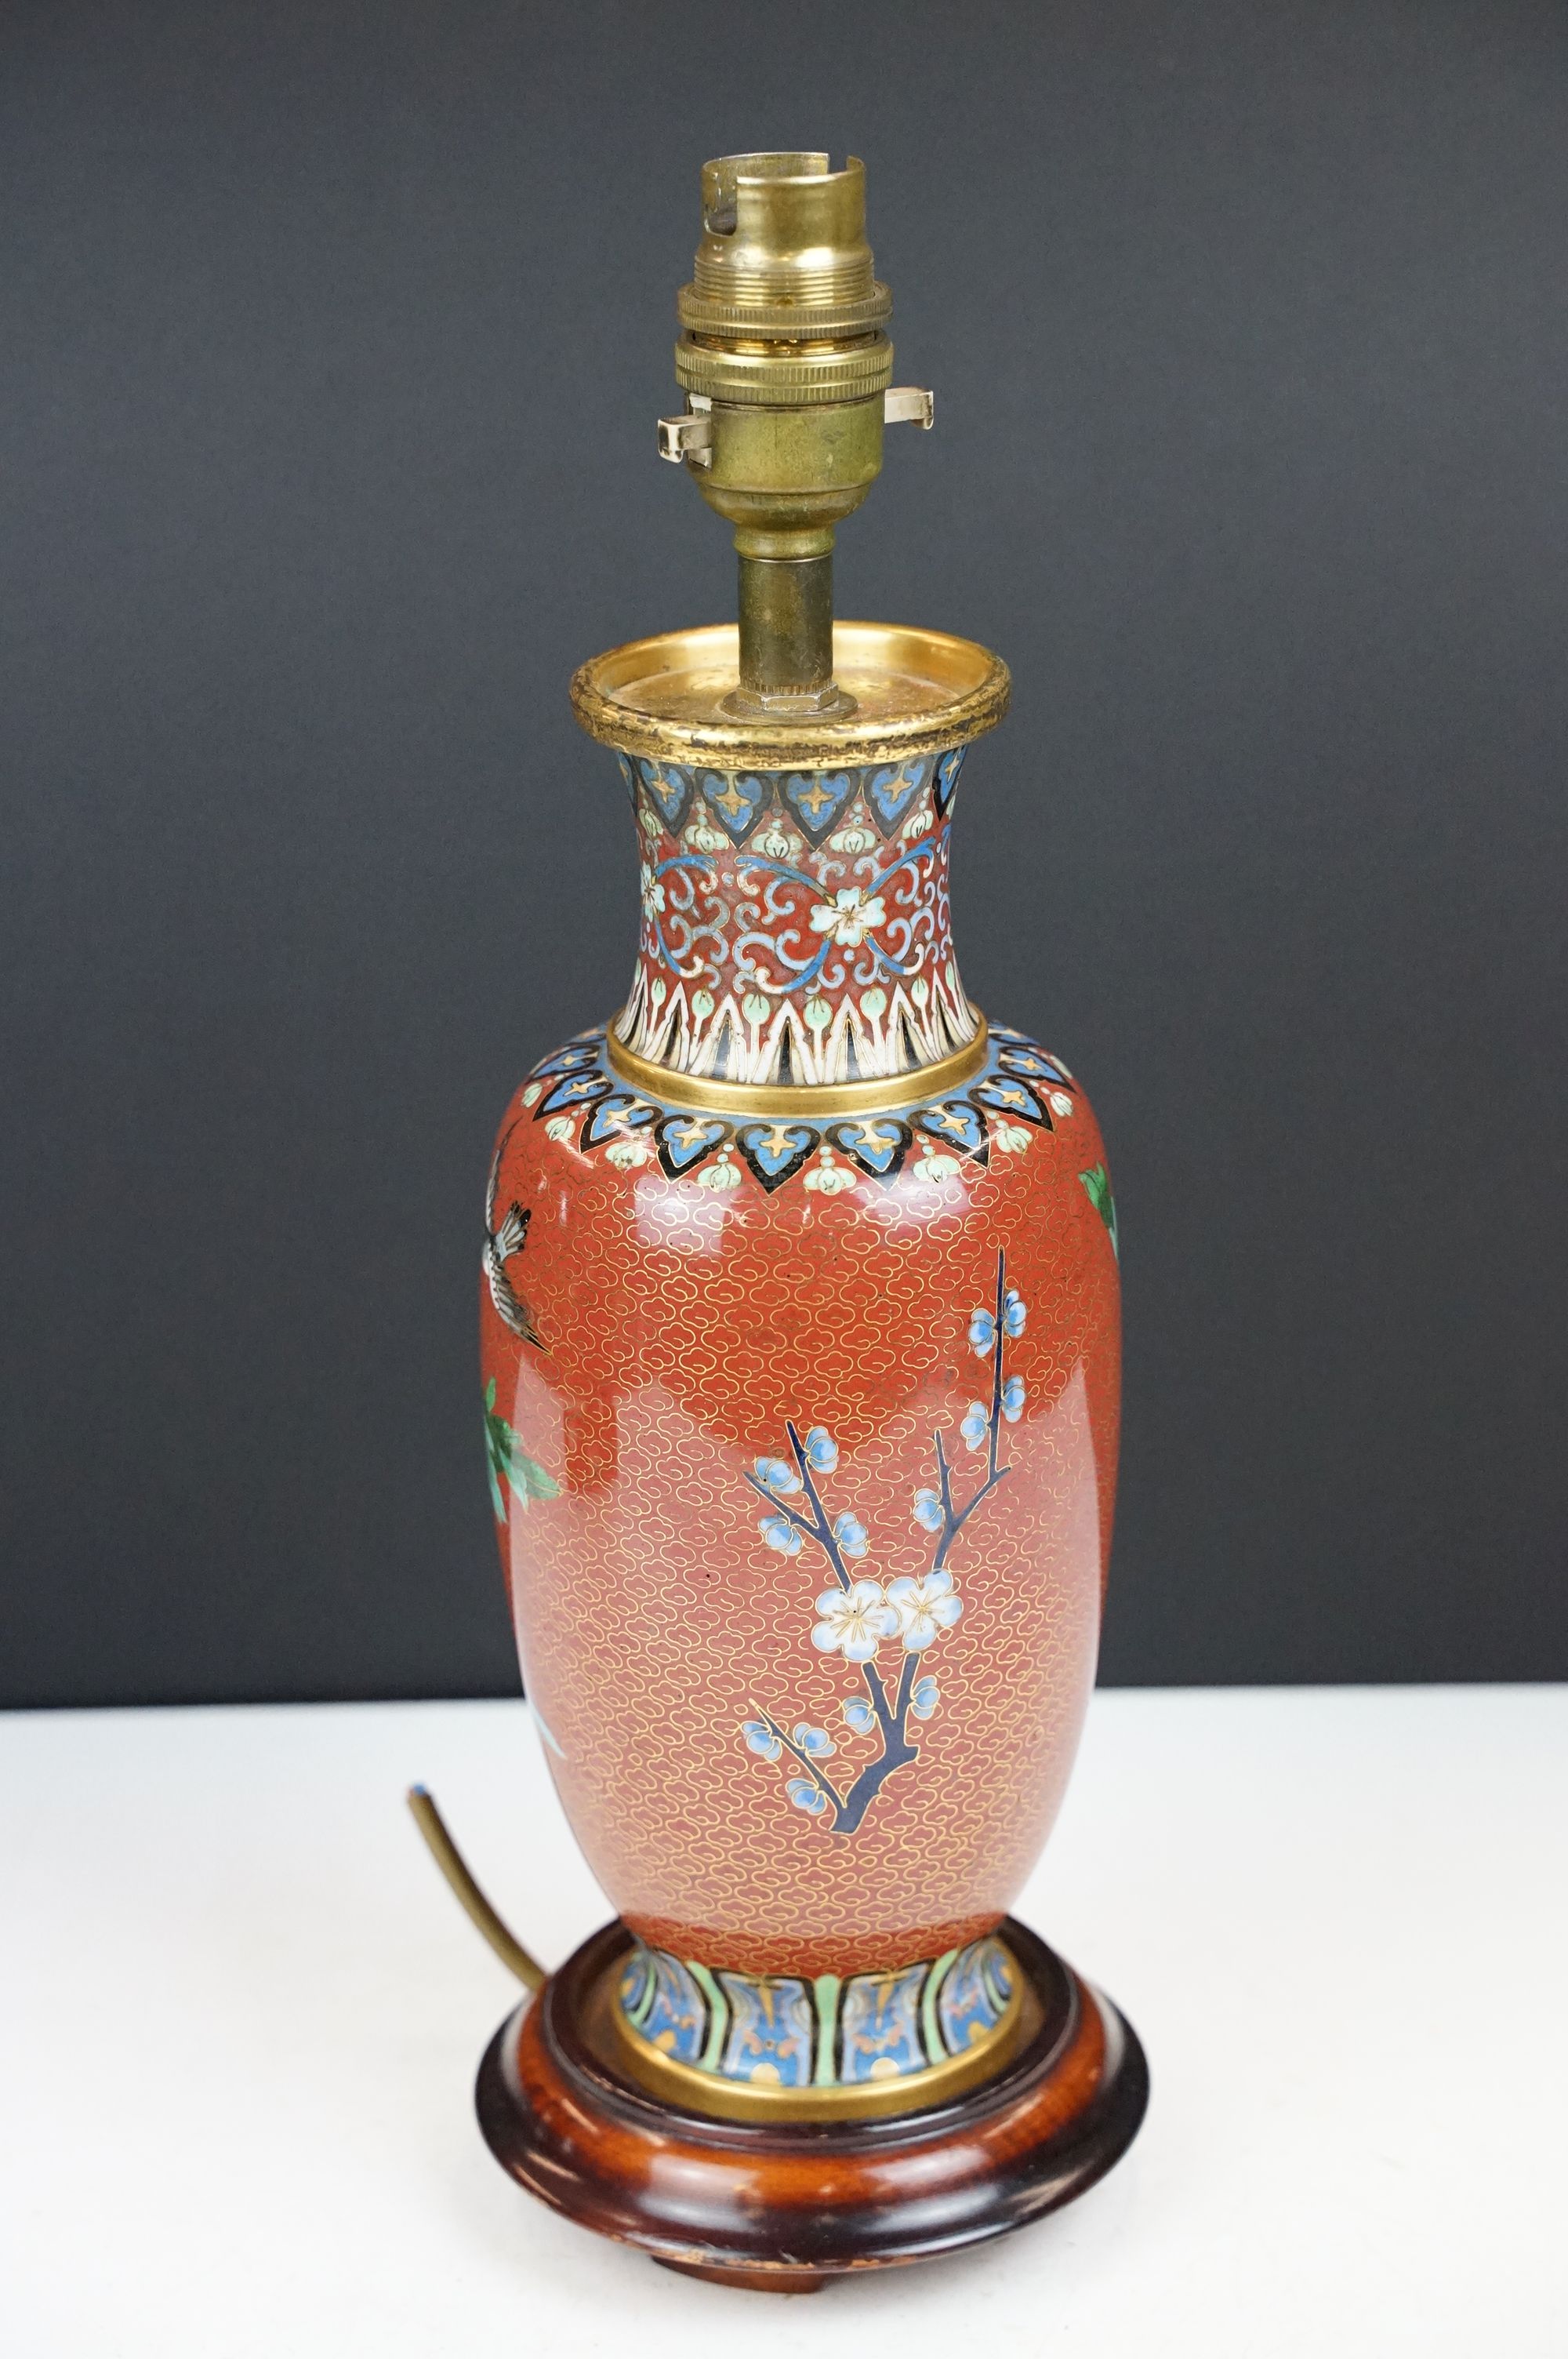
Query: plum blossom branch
x,y
856,1617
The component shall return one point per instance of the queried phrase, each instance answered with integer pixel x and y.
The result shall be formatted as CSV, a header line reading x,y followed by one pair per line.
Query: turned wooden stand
x,y
782,2208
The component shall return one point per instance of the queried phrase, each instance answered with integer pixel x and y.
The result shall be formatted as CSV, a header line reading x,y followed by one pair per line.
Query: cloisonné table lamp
x,y
800,1366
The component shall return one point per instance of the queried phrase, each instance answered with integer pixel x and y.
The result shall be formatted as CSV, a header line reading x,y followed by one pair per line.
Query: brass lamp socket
x,y
786,365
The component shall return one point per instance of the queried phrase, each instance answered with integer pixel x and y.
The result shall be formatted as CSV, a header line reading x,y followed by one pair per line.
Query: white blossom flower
x,y
627,1153
923,1608
849,917
534,1092
854,1622
780,1533
856,837
1061,1102
928,1510
1012,1137
977,1425
777,1473
559,1128
821,1450
652,893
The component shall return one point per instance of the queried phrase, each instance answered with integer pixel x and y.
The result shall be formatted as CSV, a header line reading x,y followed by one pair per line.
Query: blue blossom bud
x,y
928,1510
815,1741
982,1334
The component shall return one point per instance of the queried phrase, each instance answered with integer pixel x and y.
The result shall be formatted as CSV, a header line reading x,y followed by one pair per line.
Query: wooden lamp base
x,y
781,2207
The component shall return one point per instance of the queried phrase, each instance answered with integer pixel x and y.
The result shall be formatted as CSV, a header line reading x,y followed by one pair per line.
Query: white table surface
x,y
240,2017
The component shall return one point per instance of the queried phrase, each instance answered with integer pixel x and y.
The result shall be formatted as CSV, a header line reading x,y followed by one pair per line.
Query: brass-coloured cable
x,y
455,1870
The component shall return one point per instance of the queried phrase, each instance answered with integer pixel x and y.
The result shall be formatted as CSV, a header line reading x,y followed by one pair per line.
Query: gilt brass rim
x,y
744,2100
700,1094
918,691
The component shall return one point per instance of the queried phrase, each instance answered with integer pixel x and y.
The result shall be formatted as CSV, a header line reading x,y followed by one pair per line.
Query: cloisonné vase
x,y
800,1365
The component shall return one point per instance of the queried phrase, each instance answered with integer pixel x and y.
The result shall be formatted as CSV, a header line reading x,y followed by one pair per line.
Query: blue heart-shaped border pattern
x,y
945,785
670,790
959,1125
774,1151
1034,1065
1016,1086
572,1058
736,798
818,800
685,1140
878,1144
613,1116
1008,1095
574,1090
890,792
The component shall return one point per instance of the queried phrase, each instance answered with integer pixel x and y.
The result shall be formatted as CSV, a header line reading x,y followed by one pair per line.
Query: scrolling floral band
x,y
795,922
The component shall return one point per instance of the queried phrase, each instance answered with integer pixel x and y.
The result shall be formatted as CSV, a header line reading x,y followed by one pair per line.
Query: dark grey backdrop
x,y
332,341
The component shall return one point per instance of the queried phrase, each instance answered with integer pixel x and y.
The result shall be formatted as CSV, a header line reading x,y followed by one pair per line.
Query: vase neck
x,y
795,923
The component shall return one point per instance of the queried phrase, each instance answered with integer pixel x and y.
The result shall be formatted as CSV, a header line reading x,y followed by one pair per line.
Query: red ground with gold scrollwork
x,y
681,1326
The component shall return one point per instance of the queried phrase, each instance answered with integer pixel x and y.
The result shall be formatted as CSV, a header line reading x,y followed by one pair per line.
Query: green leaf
x,y
490,1394
497,1502
1097,1184
529,1480
505,1456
